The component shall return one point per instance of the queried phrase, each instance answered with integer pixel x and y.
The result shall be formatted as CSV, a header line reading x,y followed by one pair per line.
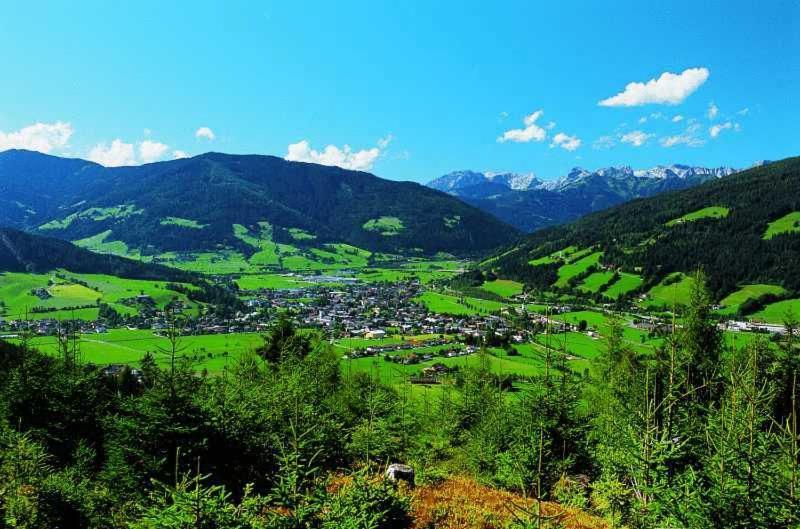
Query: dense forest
x,y
636,236
81,199
696,435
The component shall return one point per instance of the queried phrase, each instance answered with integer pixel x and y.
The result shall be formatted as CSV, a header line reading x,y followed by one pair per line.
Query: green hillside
x,y
217,201
752,239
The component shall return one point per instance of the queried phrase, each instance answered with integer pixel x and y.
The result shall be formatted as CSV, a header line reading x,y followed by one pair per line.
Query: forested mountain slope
x,y
739,229
24,252
194,203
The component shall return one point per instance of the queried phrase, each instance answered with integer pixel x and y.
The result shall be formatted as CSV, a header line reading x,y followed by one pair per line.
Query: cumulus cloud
x,y
668,89
642,120
344,157
551,125
712,111
42,137
637,138
116,154
531,132
206,133
120,153
677,118
178,154
569,143
744,111
715,130
150,151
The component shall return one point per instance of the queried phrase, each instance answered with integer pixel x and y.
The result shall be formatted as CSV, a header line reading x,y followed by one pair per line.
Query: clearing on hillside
x,y
625,284
576,268
711,212
778,312
595,281
675,289
787,224
504,288
386,226
733,301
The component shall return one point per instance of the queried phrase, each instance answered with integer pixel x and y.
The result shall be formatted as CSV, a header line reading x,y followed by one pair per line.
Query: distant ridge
x,y
530,203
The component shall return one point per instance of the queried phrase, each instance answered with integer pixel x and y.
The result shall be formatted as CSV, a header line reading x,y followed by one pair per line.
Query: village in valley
x,y
428,329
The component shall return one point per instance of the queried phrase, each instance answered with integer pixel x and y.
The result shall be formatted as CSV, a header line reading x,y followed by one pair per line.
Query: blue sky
x,y
414,90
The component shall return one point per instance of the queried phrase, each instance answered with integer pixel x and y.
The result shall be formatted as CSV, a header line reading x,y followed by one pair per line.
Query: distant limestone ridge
x,y
458,180
215,201
530,203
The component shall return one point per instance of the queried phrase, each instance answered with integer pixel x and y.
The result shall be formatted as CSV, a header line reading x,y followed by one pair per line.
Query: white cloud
x,y
178,154
150,151
715,130
42,137
503,116
604,142
669,89
116,154
551,125
205,132
343,157
713,111
689,137
642,120
569,143
531,132
637,138
744,111
119,153
677,118
384,142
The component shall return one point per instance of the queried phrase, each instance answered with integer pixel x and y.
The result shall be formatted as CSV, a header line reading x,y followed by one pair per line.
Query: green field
x,y
675,289
787,224
503,287
732,302
99,243
122,346
711,212
575,268
457,306
16,293
777,312
595,281
626,283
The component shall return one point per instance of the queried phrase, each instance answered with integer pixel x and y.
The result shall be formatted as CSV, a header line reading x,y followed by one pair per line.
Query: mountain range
x,y
216,201
529,203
